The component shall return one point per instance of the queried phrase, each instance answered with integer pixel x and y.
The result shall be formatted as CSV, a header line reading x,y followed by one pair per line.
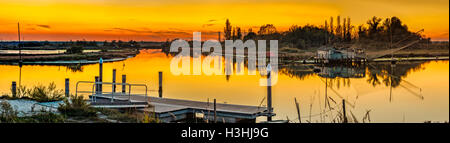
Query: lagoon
x,y
411,91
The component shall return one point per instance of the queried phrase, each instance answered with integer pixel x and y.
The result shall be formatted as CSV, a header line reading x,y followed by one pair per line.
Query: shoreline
x,y
65,59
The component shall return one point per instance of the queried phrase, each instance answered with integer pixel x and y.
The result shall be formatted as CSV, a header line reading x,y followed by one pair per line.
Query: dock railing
x,y
94,91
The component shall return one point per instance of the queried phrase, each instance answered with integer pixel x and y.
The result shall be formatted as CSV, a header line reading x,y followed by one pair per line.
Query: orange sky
x,y
159,20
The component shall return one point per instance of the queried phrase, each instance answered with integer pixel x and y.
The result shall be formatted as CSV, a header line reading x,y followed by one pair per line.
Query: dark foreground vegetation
x,y
73,109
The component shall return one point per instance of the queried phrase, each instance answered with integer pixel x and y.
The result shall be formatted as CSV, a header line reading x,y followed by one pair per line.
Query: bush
x,y
42,93
7,113
150,119
75,50
44,117
76,106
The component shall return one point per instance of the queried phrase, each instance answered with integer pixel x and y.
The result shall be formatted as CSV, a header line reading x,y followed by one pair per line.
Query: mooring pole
x,y
160,84
100,75
114,81
67,87
124,81
298,111
343,111
215,113
96,85
269,94
14,88
20,49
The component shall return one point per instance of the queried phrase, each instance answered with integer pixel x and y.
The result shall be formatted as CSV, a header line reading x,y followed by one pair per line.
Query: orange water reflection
x,y
402,106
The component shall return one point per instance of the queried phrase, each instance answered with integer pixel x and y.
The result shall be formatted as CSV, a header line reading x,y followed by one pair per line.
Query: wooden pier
x,y
177,110
166,109
169,110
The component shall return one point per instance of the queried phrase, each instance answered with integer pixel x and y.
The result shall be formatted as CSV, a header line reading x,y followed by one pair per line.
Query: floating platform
x,y
170,110
177,110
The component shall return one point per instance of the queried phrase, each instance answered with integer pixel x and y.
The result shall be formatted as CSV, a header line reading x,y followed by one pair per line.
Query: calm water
x,y
408,92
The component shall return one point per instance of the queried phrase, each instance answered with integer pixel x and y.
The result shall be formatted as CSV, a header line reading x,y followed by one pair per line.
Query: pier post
x,y
269,95
96,85
160,84
215,113
207,115
343,111
100,75
124,80
114,81
14,89
67,87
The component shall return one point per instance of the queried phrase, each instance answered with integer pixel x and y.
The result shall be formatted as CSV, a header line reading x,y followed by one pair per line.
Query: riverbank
x,y
291,54
83,58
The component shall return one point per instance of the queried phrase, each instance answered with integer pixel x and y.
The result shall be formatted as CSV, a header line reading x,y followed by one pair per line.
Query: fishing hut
x,y
331,55
340,71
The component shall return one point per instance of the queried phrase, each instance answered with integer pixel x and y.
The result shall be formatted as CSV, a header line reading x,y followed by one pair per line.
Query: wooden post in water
x,y
269,94
67,87
343,111
14,88
124,80
114,81
215,113
298,111
100,75
20,48
96,85
160,84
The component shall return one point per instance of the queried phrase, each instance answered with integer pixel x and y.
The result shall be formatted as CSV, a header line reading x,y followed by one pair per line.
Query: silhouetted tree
x,y
238,33
374,28
234,33
344,29
250,36
267,29
349,29
331,25
227,30
338,27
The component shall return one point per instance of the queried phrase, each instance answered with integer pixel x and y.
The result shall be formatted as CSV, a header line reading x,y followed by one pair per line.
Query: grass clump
x,y
43,117
128,116
7,113
150,118
42,93
38,93
76,106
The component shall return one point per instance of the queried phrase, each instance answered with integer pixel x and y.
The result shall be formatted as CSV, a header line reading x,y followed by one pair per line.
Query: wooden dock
x,y
173,110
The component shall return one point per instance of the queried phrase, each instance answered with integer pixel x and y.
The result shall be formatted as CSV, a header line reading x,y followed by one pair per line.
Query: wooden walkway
x,y
168,108
173,104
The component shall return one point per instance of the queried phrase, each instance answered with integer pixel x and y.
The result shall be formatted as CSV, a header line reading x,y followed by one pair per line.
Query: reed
x,y
76,106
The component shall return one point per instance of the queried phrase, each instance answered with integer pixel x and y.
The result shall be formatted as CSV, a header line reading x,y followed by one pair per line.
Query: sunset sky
x,y
158,20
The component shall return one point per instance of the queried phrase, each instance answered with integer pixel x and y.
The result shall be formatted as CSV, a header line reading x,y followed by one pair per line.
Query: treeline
x,y
121,44
333,32
105,44
83,43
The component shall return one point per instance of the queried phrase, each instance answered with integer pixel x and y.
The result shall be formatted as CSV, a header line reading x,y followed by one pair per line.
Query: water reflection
x,y
417,90
377,72
75,67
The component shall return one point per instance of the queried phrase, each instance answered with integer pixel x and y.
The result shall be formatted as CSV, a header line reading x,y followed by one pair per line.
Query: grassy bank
x,y
420,50
74,109
105,54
